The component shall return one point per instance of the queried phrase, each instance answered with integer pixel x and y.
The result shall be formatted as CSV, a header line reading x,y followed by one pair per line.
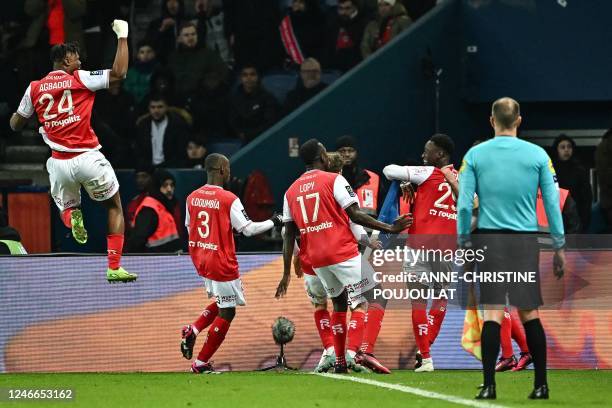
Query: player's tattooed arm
x,y
361,218
288,247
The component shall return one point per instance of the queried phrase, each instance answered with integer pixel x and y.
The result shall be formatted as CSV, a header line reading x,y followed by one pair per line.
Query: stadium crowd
x,y
197,67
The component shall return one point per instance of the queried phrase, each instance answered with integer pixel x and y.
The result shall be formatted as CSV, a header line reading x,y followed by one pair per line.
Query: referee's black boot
x,y
487,392
540,392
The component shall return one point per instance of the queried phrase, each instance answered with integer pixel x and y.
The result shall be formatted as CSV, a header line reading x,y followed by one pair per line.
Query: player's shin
x,y
206,318
323,322
338,326
490,350
420,327
436,317
216,334
114,244
374,318
505,336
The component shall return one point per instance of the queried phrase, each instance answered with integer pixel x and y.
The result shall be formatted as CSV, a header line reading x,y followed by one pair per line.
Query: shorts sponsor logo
x,y
226,299
103,194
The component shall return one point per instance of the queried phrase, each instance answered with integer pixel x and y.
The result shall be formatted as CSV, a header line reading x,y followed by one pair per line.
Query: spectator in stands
x,y
603,163
162,32
302,31
10,240
162,83
196,153
190,63
139,75
253,32
252,108
365,183
210,21
308,86
209,106
573,177
143,177
161,135
392,19
345,36
117,108
155,227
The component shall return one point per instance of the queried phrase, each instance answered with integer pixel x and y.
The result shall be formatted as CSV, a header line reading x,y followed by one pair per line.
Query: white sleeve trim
x,y
395,172
238,216
187,218
256,228
95,80
286,211
343,193
26,107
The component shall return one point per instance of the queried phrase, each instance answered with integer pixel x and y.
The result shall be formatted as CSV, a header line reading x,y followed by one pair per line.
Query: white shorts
x,y
350,275
227,294
315,289
90,170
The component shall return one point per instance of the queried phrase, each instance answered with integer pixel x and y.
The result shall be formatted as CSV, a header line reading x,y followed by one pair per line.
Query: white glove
x,y
120,28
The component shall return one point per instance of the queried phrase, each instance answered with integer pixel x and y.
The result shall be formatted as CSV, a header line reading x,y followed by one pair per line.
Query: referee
x,y
506,172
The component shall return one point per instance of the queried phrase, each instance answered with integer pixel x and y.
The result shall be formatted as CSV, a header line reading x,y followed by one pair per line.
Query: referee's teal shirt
x,y
505,172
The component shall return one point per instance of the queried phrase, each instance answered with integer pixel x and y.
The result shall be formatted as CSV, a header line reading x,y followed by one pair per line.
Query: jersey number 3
x,y
65,104
203,228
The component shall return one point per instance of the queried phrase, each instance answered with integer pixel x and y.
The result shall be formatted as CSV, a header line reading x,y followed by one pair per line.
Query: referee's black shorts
x,y
509,251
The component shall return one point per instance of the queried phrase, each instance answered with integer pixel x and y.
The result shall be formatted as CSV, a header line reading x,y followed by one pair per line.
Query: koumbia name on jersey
x,y
63,103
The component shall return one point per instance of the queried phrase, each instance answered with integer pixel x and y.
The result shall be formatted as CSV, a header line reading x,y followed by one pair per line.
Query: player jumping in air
x,y
434,216
63,101
316,206
211,216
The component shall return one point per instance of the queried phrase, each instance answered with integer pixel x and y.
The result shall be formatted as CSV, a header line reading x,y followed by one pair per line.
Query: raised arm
x,y
120,65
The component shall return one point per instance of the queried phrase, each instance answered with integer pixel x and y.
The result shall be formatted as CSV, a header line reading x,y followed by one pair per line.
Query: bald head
x,y
217,168
310,71
506,114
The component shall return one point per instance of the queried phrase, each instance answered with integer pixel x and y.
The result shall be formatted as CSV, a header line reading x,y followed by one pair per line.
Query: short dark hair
x,y
158,97
213,161
249,65
443,142
186,24
145,43
59,51
506,111
310,151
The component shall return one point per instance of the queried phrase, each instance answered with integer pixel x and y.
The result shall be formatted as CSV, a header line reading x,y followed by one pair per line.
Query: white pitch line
x,y
415,391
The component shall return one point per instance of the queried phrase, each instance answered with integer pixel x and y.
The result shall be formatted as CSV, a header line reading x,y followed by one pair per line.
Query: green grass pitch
x,y
292,389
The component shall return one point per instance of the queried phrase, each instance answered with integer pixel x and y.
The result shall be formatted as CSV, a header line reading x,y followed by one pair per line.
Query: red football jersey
x,y
211,214
316,203
434,208
63,103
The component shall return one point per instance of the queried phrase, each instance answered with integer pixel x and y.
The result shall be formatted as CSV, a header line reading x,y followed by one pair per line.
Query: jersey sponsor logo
x,y
245,215
319,227
63,122
204,245
350,191
96,73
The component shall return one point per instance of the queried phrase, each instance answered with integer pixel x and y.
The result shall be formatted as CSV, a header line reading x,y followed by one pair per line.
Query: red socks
x,y
323,323
518,334
373,323
355,330
216,334
436,317
505,338
338,327
114,243
420,327
66,217
207,317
